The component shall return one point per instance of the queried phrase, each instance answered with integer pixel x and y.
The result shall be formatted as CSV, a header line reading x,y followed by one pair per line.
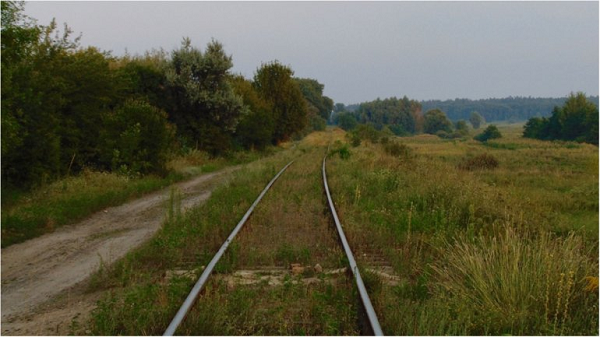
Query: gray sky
x,y
364,50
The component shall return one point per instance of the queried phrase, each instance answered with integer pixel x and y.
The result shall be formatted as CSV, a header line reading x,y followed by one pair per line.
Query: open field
x,y
445,246
505,250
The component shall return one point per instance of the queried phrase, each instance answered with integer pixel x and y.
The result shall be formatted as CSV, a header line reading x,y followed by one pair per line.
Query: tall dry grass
x,y
516,282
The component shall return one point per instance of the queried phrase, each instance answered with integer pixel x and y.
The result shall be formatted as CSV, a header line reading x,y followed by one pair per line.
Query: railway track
x,y
372,326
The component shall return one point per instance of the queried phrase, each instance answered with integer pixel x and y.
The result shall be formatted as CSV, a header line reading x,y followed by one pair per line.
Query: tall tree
x,y
576,120
256,126
274,83
313,92
206,109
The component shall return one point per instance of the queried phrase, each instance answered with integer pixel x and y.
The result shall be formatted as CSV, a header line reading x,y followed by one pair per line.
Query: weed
x,y
481,162
397,149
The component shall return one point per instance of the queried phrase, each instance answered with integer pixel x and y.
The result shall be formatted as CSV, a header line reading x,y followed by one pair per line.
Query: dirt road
x,y
42,288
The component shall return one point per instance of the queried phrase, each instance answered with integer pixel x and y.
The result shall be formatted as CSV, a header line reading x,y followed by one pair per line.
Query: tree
x,y
143,77
53,97
339,107
391,111
535,128
436,120
256,126
576,120
461,129
206,109
346,121
312,91
19,34
491,132
274,84
476,119
578,112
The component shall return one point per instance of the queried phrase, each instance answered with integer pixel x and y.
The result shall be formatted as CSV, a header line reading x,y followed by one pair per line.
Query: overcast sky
x,y
364,50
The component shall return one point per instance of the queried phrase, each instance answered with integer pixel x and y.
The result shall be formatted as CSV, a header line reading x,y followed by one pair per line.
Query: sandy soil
x,y
43,279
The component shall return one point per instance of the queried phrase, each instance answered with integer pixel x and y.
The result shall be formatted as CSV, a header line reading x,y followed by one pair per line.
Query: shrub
x,y
342,150
367,132
482,161
354,140
397,149
491,132
136,139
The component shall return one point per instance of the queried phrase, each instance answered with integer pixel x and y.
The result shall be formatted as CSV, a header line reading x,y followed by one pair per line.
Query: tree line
x,y
66,107
576,120
511,109
401,117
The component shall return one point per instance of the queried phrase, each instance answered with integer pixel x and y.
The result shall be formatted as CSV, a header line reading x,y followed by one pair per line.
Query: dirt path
x,y
42,288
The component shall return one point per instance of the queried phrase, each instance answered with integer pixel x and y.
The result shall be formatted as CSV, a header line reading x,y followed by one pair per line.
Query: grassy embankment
x,y
290,225
26,215
505,250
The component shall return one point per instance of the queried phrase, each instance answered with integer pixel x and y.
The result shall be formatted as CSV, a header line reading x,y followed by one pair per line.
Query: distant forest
x,y
499,109
511,109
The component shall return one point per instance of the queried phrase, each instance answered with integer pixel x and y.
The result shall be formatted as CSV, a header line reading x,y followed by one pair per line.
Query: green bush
x,y
491,132
367,132
136,139
342,150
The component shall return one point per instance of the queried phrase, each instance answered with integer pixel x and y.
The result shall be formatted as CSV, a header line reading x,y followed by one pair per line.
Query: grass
x,y
509,250
139,300
291,225
26,215
502,251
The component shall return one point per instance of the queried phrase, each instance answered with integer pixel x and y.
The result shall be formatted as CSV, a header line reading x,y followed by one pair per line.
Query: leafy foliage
x,y
136,139
312,90
274,84
499,109
66,108
436,120
206,109
346,121
491,132
391,111
476,119
257,124
577,120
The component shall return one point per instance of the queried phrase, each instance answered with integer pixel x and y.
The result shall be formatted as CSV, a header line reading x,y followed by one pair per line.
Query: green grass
x,y
69,200
139,301
26,215
477,250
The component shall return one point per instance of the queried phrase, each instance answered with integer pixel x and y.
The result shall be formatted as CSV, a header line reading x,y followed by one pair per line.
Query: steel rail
x,y
364,296
187,304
